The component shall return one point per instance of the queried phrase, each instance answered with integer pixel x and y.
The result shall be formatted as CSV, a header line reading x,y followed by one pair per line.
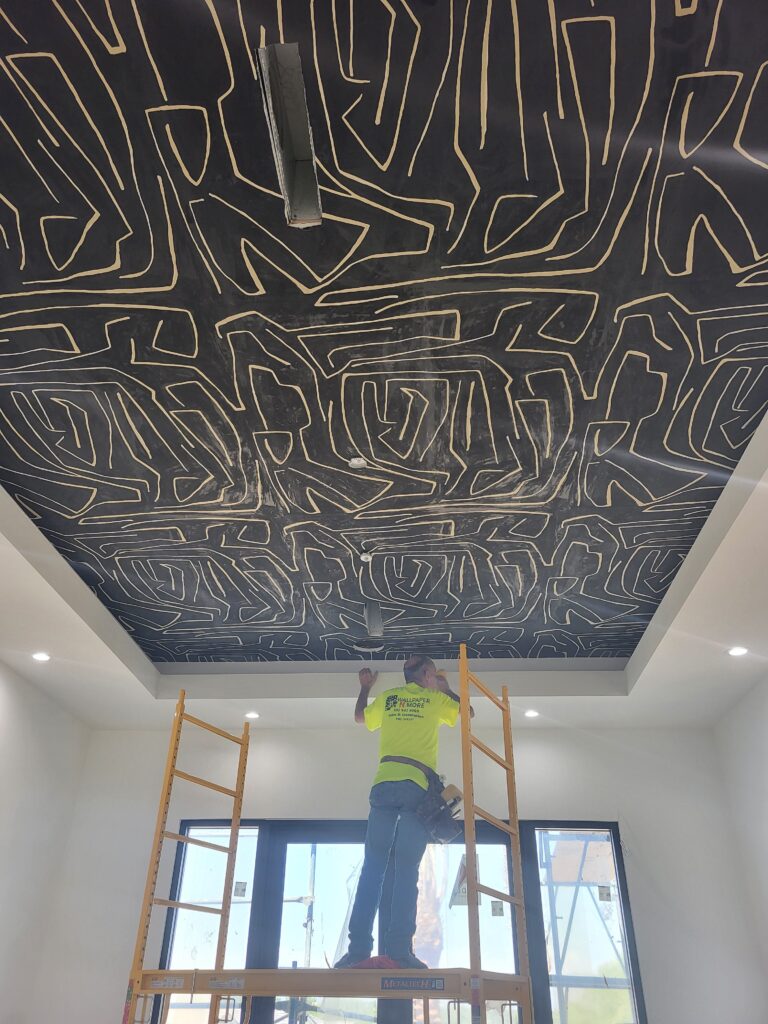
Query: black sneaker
x,y
409,962
350,960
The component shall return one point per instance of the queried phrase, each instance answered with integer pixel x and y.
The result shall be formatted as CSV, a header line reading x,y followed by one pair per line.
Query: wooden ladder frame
x,y
511,831
138,1004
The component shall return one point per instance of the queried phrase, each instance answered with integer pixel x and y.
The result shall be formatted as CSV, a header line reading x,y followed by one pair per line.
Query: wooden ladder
x,y
138,1006
511,831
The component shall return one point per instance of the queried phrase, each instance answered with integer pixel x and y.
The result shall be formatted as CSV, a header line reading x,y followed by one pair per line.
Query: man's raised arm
x,y
442,684
367,679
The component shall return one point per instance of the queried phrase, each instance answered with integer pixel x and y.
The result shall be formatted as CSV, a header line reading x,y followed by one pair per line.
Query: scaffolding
x,y
236,991
139,1002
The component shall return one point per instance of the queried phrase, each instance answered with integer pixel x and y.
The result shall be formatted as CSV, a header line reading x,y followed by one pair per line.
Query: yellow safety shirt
x,y
409,718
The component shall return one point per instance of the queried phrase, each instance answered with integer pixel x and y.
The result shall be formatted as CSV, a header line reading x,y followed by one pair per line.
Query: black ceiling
x,y
536,306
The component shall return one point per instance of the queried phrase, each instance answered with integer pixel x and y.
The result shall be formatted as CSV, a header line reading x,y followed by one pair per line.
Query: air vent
x,y
285,104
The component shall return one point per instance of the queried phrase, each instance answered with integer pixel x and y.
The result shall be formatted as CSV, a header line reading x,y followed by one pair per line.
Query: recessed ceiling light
x,y
738,652
530,713
41,656
366,557
252,714
357,463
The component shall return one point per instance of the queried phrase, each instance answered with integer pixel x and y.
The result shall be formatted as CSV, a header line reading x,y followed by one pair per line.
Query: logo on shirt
x,y
402,707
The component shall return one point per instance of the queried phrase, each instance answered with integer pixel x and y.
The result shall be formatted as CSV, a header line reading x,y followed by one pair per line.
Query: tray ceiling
x,y
536,308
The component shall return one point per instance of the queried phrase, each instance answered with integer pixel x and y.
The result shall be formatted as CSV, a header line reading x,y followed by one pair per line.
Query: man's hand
x,y
367,678
441,681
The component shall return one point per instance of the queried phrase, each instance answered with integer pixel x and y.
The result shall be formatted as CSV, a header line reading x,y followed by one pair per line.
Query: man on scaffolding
x,y
409,718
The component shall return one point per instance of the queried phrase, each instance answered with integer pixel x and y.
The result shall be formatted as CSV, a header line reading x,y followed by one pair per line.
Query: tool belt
x,y
437,811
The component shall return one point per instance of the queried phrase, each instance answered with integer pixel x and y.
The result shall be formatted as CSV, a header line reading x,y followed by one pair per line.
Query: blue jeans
x,y
393,829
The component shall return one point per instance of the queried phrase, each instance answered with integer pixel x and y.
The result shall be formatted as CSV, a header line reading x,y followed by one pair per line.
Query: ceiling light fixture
x,y
357,463
738,652
366,557
252,714
374,622
41,656
530,713
285,104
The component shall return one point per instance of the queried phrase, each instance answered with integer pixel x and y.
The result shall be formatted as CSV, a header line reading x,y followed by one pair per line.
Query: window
x,y
319,885
191,937
194,936
296,880
319,889
582,948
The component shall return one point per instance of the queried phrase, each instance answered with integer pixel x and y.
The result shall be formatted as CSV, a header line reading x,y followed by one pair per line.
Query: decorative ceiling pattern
x,y
536,307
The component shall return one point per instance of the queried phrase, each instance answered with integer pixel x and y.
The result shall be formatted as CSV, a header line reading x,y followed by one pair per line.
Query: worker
x,y
409,718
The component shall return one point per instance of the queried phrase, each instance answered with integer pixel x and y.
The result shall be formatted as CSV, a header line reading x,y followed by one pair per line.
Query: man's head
x,y
418,668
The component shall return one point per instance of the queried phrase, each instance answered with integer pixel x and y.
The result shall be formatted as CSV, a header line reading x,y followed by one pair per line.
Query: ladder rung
x,y
498,895
486,692
196,842
187,906
491,753
212,728
204,782
493,820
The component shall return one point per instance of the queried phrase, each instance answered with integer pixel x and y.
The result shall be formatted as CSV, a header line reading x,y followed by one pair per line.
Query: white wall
x,y
41,754
742,741
699,964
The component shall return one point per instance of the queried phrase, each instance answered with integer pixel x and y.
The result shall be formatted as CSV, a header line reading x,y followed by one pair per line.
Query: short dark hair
x,y
412,665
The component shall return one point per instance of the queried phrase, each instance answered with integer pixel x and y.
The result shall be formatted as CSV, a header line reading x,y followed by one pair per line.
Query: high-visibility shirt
x,y
409,718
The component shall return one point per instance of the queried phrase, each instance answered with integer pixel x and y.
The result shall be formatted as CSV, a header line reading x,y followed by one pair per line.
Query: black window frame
x,y
534,912
275,834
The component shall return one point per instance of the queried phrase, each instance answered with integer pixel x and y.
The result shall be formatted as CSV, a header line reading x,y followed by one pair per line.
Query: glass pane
x,y
584,926
320,884
363,1011
316,1010
195,935
442,930
595,1006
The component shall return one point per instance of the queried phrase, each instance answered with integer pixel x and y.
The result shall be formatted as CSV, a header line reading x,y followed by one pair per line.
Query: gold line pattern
x,y
535,308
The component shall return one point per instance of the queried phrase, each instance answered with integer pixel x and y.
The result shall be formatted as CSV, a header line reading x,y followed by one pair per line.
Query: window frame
x,y
534,912
275,834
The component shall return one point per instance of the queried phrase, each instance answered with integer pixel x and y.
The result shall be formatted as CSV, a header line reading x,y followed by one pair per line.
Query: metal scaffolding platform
x,y
150,991
453,983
